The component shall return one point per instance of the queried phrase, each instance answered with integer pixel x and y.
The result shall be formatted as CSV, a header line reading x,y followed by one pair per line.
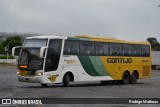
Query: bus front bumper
x,y
32,79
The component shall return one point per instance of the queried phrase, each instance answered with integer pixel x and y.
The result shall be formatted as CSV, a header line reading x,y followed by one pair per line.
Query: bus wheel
x,y
44,85
134,78
66,80
125,78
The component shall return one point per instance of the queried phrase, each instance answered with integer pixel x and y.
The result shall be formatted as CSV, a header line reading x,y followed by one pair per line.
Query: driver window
x,y
53,55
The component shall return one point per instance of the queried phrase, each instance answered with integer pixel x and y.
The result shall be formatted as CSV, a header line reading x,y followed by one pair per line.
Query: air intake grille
x,y
146,70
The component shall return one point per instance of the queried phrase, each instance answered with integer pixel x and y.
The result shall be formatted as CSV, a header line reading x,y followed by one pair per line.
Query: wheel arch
x,y
71,75
127,72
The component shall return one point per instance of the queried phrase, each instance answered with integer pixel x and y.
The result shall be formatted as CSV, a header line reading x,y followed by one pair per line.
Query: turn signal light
x,y
23,66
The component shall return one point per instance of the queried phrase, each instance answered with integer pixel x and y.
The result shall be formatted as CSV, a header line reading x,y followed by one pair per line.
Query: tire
x,y
125,78
44,85
66,80
134,78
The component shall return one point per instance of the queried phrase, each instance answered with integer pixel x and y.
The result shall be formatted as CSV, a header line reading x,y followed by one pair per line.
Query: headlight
x,y
39,73
18,72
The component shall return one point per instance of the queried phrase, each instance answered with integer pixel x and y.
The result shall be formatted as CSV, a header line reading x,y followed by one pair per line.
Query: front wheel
x,y
125,78
66,80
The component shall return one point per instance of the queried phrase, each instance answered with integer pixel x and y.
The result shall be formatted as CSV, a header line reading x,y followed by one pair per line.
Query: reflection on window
x,y
136,50
24,57
145,50
35,42
115,49
126,50
53,55
71,48
101,49
86,48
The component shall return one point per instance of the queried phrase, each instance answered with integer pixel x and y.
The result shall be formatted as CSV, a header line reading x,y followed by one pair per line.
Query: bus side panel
x,y
85,68
94,67
116,66
71,63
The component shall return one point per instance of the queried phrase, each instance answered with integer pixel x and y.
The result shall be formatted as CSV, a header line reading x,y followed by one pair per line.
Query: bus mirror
x,y
14,50
42,50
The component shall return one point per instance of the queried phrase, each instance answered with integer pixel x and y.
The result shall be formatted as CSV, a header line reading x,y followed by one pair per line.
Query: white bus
x,y
55,59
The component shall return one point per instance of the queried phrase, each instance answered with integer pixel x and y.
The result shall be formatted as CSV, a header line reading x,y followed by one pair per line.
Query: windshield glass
x,y
35,42
30,58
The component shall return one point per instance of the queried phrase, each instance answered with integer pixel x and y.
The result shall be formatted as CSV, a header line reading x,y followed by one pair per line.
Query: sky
x,y
133,20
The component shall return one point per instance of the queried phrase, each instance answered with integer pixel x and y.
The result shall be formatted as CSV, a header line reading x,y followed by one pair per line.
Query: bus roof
x,y
108,39
46,37
88,38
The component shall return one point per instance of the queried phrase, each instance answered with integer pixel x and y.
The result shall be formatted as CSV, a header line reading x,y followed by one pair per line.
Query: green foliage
x,y
154,44
1,47
12,42
5,57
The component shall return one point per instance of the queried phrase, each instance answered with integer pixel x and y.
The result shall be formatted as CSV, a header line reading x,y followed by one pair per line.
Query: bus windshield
x,y
30,58
35,43
30,52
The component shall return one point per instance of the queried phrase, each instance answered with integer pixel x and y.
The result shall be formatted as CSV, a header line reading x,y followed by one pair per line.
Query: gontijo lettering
x,y
119,60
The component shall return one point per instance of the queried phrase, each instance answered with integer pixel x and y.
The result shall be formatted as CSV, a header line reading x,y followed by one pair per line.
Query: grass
x,y
5,57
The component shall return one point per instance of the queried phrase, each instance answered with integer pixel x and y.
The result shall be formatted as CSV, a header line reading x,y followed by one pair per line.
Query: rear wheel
x,y
44,85
66,80
134,78
125,78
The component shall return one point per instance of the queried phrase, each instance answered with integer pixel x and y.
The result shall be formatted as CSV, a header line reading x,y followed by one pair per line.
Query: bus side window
x,y
99,50
75,48
145,50
136,50
66,48
86,48
126,51
106,48
115,49
71,48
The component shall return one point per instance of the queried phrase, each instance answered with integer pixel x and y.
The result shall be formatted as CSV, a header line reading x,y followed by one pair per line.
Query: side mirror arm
x,y
42,51
14,48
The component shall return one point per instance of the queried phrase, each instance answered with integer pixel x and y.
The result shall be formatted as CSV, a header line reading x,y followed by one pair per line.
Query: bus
x,y
57,59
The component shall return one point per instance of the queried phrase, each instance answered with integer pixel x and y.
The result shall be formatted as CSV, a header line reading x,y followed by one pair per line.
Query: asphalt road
x,y
10,87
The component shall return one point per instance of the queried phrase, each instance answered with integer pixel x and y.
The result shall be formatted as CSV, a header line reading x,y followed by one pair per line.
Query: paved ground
x,y
10,87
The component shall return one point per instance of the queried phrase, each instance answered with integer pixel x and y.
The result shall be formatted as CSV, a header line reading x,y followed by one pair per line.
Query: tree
x,y
154,43
12,42
1,48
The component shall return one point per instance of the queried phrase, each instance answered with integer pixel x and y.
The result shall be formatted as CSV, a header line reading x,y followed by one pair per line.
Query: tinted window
x,y
86,48
71,48
115,49
126,51
55,45
53,55
101,49
145,50
136,50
